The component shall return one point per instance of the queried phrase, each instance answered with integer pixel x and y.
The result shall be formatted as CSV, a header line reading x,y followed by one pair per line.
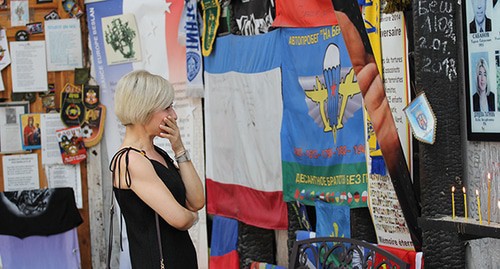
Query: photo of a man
x,y
480,23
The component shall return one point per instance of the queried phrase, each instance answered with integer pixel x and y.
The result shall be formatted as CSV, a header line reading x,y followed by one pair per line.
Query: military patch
x,y
72,108
91,96
193,65
93,125
211,14
422,119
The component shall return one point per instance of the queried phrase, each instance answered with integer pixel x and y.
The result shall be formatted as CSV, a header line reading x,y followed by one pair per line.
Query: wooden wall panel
x,y
59,79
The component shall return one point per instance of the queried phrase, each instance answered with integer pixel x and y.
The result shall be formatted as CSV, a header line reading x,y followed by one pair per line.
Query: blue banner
x,y
322,136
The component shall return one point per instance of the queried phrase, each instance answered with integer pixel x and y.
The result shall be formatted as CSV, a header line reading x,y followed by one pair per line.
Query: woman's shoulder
x,y
129,157
129,163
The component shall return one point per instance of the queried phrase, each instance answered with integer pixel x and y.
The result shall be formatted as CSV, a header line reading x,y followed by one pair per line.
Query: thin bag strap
x,y
112,167
162,265
110,237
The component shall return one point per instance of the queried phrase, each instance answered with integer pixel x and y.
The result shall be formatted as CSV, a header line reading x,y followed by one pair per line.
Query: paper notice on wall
x,y
64,44
396,76
29,68
4,50
59,176
20,172
51,153
388,219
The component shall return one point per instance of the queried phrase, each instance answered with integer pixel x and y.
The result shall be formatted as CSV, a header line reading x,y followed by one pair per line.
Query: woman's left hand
x,y
171,131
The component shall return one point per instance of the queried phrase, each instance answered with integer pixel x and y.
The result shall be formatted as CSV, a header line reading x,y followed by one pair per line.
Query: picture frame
x,y
10,122
481,39
30,131
34,28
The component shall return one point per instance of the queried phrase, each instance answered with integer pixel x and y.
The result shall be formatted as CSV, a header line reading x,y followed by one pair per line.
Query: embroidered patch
x,y
72,108
193,61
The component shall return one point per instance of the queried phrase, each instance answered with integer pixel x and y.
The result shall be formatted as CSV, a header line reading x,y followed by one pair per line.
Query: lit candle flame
x,y
465,203
489,176
453,202
477,192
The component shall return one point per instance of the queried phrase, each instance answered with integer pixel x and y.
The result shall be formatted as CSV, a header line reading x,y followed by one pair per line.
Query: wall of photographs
x,y
481,27
30,89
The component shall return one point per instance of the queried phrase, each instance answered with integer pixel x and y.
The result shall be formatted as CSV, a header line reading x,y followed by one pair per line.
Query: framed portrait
x,y
31,131
481,26
10,122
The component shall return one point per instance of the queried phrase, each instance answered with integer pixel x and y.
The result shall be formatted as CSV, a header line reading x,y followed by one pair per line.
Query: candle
x,y
465,202
479,207
453,202
489,198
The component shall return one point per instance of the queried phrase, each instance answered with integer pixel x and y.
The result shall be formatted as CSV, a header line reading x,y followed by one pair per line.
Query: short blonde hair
x,y
139,94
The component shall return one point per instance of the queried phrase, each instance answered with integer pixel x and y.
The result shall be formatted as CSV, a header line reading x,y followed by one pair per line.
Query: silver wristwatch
x,y
184,157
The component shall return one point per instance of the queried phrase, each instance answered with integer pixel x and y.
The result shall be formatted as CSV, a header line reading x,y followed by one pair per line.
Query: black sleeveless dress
x,y
178,249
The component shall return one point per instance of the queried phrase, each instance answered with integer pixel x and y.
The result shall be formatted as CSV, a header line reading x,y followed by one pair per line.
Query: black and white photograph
x,y
10,122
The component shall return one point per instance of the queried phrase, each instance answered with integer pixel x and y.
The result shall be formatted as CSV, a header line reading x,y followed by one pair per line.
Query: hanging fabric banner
x,y
299,13
57,251
224,243
252,17
211,13
332,220
243,98
322,136
188,28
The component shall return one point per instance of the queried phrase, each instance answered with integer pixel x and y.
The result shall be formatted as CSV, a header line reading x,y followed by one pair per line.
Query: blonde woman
x,y
483,99
158,199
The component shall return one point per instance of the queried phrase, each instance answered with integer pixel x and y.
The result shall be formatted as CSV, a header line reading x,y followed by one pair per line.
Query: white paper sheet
x,y
19,12
4,50
51,153
64,44
59,176
397,78
20,172
29,68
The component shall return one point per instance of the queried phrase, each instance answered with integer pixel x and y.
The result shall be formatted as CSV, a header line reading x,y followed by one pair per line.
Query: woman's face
x,y
482,79
158,116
